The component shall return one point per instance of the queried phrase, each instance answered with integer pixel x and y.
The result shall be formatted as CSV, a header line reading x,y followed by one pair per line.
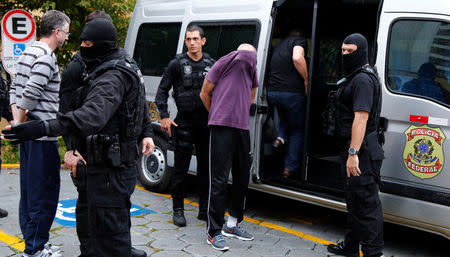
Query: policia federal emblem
x,y
423,154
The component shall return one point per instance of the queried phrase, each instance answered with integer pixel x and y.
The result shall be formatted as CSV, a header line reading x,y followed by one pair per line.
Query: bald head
x,y
247,47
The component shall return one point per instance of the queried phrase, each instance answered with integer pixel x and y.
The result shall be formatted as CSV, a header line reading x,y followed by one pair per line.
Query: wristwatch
x,y
353,151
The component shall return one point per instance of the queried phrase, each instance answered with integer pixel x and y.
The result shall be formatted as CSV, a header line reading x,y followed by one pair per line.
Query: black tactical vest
x,y
126,123
337,119
346,117
187,97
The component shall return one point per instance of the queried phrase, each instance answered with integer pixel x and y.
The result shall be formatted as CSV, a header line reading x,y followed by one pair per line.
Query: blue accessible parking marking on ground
x,y
65,214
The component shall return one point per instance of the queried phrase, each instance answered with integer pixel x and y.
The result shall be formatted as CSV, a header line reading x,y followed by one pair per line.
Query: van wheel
x,y
154,173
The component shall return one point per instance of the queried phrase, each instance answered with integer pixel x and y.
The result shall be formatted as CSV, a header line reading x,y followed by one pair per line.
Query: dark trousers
x,y
39,191
229,149
365,214
186,137
103,211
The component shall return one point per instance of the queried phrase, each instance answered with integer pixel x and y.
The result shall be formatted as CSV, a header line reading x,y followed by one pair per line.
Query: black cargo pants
x,y
365,214
185,139
103,211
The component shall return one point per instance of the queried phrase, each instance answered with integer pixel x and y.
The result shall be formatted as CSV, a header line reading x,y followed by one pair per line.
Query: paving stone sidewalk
x,y
154,232
158,236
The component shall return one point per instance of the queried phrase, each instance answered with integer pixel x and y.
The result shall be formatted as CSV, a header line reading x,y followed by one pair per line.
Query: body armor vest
x,y
338,119
187,97
346,117
118,139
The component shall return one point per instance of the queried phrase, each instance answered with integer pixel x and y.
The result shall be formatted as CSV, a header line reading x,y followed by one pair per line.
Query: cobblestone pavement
x,y
278,232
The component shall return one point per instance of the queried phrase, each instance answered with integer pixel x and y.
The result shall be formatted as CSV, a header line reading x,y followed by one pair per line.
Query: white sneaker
x,y
51,251
48,251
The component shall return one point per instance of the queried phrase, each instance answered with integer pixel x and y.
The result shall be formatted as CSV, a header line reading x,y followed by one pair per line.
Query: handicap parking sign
x,y
18,49
65,214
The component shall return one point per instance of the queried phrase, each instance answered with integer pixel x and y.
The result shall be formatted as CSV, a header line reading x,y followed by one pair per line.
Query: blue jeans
x,y
39,191
290,107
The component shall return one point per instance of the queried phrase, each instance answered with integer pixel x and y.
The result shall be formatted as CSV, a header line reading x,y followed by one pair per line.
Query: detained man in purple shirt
x,y
227,93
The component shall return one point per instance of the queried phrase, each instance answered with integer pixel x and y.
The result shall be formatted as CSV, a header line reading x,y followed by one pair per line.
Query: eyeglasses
x,y
67,33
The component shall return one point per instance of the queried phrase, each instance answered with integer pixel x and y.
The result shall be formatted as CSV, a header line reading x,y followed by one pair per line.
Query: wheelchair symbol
x,y
18,49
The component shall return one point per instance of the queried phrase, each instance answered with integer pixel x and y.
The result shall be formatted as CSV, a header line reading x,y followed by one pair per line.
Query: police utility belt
x,y
103,150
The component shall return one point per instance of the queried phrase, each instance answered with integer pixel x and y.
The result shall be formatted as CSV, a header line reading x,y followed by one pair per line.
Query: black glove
x,y
32,116
26,131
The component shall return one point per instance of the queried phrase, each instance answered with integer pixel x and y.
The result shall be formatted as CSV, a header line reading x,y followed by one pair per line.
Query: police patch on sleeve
x,y
423,154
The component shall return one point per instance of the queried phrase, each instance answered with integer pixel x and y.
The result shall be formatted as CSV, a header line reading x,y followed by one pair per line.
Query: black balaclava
x,y
103,34
357,59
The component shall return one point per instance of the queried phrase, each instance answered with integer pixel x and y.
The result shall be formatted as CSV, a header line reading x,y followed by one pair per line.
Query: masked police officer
x,y
185,74
72,79
359,106
108,122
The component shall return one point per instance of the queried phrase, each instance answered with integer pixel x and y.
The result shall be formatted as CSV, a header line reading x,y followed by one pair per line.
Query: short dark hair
x,y
193,28
296,33
52,20
98,14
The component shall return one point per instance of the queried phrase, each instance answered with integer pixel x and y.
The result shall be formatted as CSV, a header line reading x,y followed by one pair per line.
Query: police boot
x,y
3,213
344,248
137,253
178,212
178,217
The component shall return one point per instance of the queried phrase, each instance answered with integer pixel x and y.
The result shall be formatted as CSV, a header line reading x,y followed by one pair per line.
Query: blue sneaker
x,y
218,243
238,232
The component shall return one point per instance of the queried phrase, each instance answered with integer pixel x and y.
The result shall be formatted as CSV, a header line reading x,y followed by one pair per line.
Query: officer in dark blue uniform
x,y
185,74
359,107
109,119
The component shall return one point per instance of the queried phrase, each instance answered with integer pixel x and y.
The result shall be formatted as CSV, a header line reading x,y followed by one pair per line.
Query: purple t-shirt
x,y
234,76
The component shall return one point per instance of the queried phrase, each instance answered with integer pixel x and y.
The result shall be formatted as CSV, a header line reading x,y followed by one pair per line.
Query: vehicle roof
x,y
418,6
177,7
161,7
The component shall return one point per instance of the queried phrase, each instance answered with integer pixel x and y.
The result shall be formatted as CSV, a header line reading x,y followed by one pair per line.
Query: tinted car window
x,y
224,38
419,59
156,45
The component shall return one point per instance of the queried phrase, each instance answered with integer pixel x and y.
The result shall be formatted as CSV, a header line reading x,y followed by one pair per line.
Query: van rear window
x,y
222,39
156,45
419,59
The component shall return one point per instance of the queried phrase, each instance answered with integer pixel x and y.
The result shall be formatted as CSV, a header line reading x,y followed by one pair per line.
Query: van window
x,y
156,45
222,39
419,59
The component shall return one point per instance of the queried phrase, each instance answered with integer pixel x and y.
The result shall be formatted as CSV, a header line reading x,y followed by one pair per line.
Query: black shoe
x,y
202,215
178,217
3,213
137,253
343,249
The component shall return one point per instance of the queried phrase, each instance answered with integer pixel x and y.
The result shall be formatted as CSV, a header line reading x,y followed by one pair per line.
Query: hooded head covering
x,y
358,58
103,34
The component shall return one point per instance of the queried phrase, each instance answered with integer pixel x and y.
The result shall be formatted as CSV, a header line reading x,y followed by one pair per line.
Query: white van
x,y
408,41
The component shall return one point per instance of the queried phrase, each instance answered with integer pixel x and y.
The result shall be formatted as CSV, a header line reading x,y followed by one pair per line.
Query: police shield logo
x,y
187,69
423,154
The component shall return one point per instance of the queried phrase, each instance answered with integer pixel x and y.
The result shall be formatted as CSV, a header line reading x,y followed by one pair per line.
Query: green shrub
x,y
10,152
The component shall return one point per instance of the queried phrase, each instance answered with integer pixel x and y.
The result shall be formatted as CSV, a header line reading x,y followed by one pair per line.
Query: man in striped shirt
x,y
35,90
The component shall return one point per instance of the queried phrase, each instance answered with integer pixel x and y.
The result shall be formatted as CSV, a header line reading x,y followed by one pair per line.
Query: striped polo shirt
x,y
36,84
